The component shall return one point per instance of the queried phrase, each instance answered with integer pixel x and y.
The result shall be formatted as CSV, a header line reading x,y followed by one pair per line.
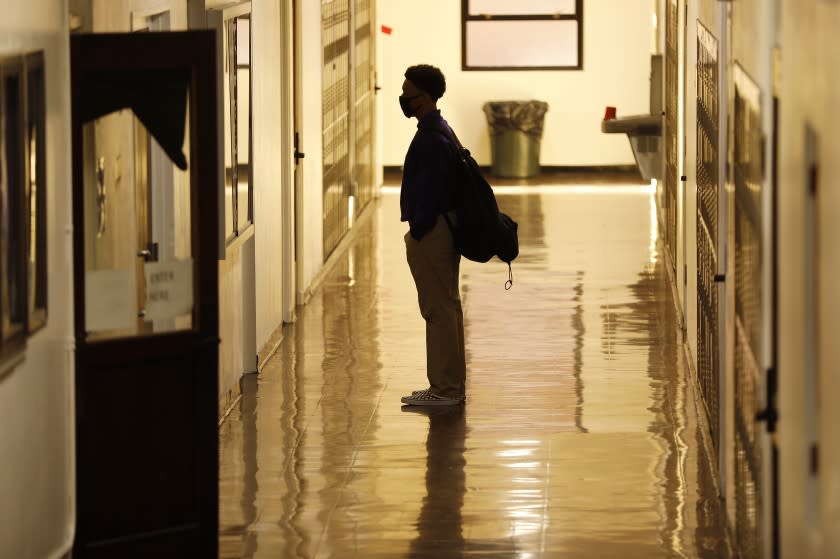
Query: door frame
x,y
288,161
299,152
726,307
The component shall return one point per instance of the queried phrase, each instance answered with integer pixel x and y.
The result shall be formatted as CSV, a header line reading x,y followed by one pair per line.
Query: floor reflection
x,y
439,525
579,437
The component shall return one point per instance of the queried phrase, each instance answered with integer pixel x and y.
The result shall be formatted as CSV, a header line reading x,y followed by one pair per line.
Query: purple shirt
x,y
427,184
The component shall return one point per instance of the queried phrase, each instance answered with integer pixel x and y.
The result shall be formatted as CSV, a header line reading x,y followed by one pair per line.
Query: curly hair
x,y
427,78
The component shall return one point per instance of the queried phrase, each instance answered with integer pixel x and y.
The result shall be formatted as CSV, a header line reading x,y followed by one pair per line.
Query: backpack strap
x,y
448,133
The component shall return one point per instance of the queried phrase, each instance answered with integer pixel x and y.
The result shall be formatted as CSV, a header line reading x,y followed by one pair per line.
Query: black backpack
x,y
482,231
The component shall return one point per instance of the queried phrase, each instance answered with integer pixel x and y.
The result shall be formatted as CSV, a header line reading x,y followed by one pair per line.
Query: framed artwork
x,y
12,201
35,192
23,227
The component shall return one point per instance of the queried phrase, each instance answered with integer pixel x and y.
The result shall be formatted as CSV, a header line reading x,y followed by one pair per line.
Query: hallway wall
x,y
254,279
805,274
809,378
743,39
37,476
616,67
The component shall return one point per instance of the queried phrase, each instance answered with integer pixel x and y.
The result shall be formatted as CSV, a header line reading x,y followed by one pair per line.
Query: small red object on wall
x,y
387,30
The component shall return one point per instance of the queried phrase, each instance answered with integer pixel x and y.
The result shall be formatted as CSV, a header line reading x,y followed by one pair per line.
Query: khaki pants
x,y
434,263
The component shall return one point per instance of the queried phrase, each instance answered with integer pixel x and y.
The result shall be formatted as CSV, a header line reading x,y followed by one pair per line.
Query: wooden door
x,y
146,352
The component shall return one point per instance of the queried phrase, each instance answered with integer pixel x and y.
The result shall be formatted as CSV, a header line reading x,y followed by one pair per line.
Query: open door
x,y
146,325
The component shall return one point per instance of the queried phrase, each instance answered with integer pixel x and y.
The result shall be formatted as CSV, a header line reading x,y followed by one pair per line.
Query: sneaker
x,y
415,392
426,398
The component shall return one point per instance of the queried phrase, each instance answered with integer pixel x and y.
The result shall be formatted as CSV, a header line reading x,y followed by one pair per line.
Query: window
x,y
522,34
23,265
239,198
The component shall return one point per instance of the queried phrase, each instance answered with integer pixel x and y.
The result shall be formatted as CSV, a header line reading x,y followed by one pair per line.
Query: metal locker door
x,y
335,36
748,155
708,236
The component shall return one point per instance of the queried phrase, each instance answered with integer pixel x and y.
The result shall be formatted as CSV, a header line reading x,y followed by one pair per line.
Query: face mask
x,y
405,105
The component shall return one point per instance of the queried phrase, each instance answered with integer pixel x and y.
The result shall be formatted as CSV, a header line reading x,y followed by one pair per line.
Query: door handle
x,y
149,254
101,196
770,414
298,154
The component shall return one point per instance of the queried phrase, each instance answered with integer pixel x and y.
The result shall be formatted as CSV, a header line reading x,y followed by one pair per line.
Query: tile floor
x,y
579,437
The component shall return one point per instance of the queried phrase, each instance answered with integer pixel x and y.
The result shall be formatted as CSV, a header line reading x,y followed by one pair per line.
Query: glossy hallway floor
x,y
579,437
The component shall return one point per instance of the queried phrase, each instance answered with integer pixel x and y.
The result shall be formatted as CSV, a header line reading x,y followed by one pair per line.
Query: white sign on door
x,y
169,289
110,300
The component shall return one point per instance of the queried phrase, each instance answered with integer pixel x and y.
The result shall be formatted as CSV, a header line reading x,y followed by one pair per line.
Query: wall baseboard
x,y
559,169
270,347
229,400
548,169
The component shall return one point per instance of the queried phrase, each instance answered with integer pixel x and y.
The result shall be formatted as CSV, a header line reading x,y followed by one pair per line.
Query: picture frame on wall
x,y
23,206
12,202
35,191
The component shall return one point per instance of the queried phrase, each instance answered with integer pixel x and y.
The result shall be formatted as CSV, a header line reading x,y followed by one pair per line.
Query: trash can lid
x,y
525,116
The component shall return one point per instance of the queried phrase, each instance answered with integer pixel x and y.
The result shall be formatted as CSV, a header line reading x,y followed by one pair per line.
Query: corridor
x,y
579,437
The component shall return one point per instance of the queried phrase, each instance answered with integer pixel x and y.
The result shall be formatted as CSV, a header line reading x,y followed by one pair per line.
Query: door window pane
x,y
243,120
138,265
238,175
230,127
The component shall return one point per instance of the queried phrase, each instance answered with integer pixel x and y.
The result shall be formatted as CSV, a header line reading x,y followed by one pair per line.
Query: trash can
x,y
515,136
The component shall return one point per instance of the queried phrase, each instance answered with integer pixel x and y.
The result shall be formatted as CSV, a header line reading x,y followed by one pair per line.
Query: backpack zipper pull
x,y
509,282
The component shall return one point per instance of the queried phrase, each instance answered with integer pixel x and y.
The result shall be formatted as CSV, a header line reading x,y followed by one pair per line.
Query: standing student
x,y
426,194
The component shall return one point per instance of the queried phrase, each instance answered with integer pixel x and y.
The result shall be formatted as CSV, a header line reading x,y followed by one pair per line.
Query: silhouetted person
x,y
426,194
